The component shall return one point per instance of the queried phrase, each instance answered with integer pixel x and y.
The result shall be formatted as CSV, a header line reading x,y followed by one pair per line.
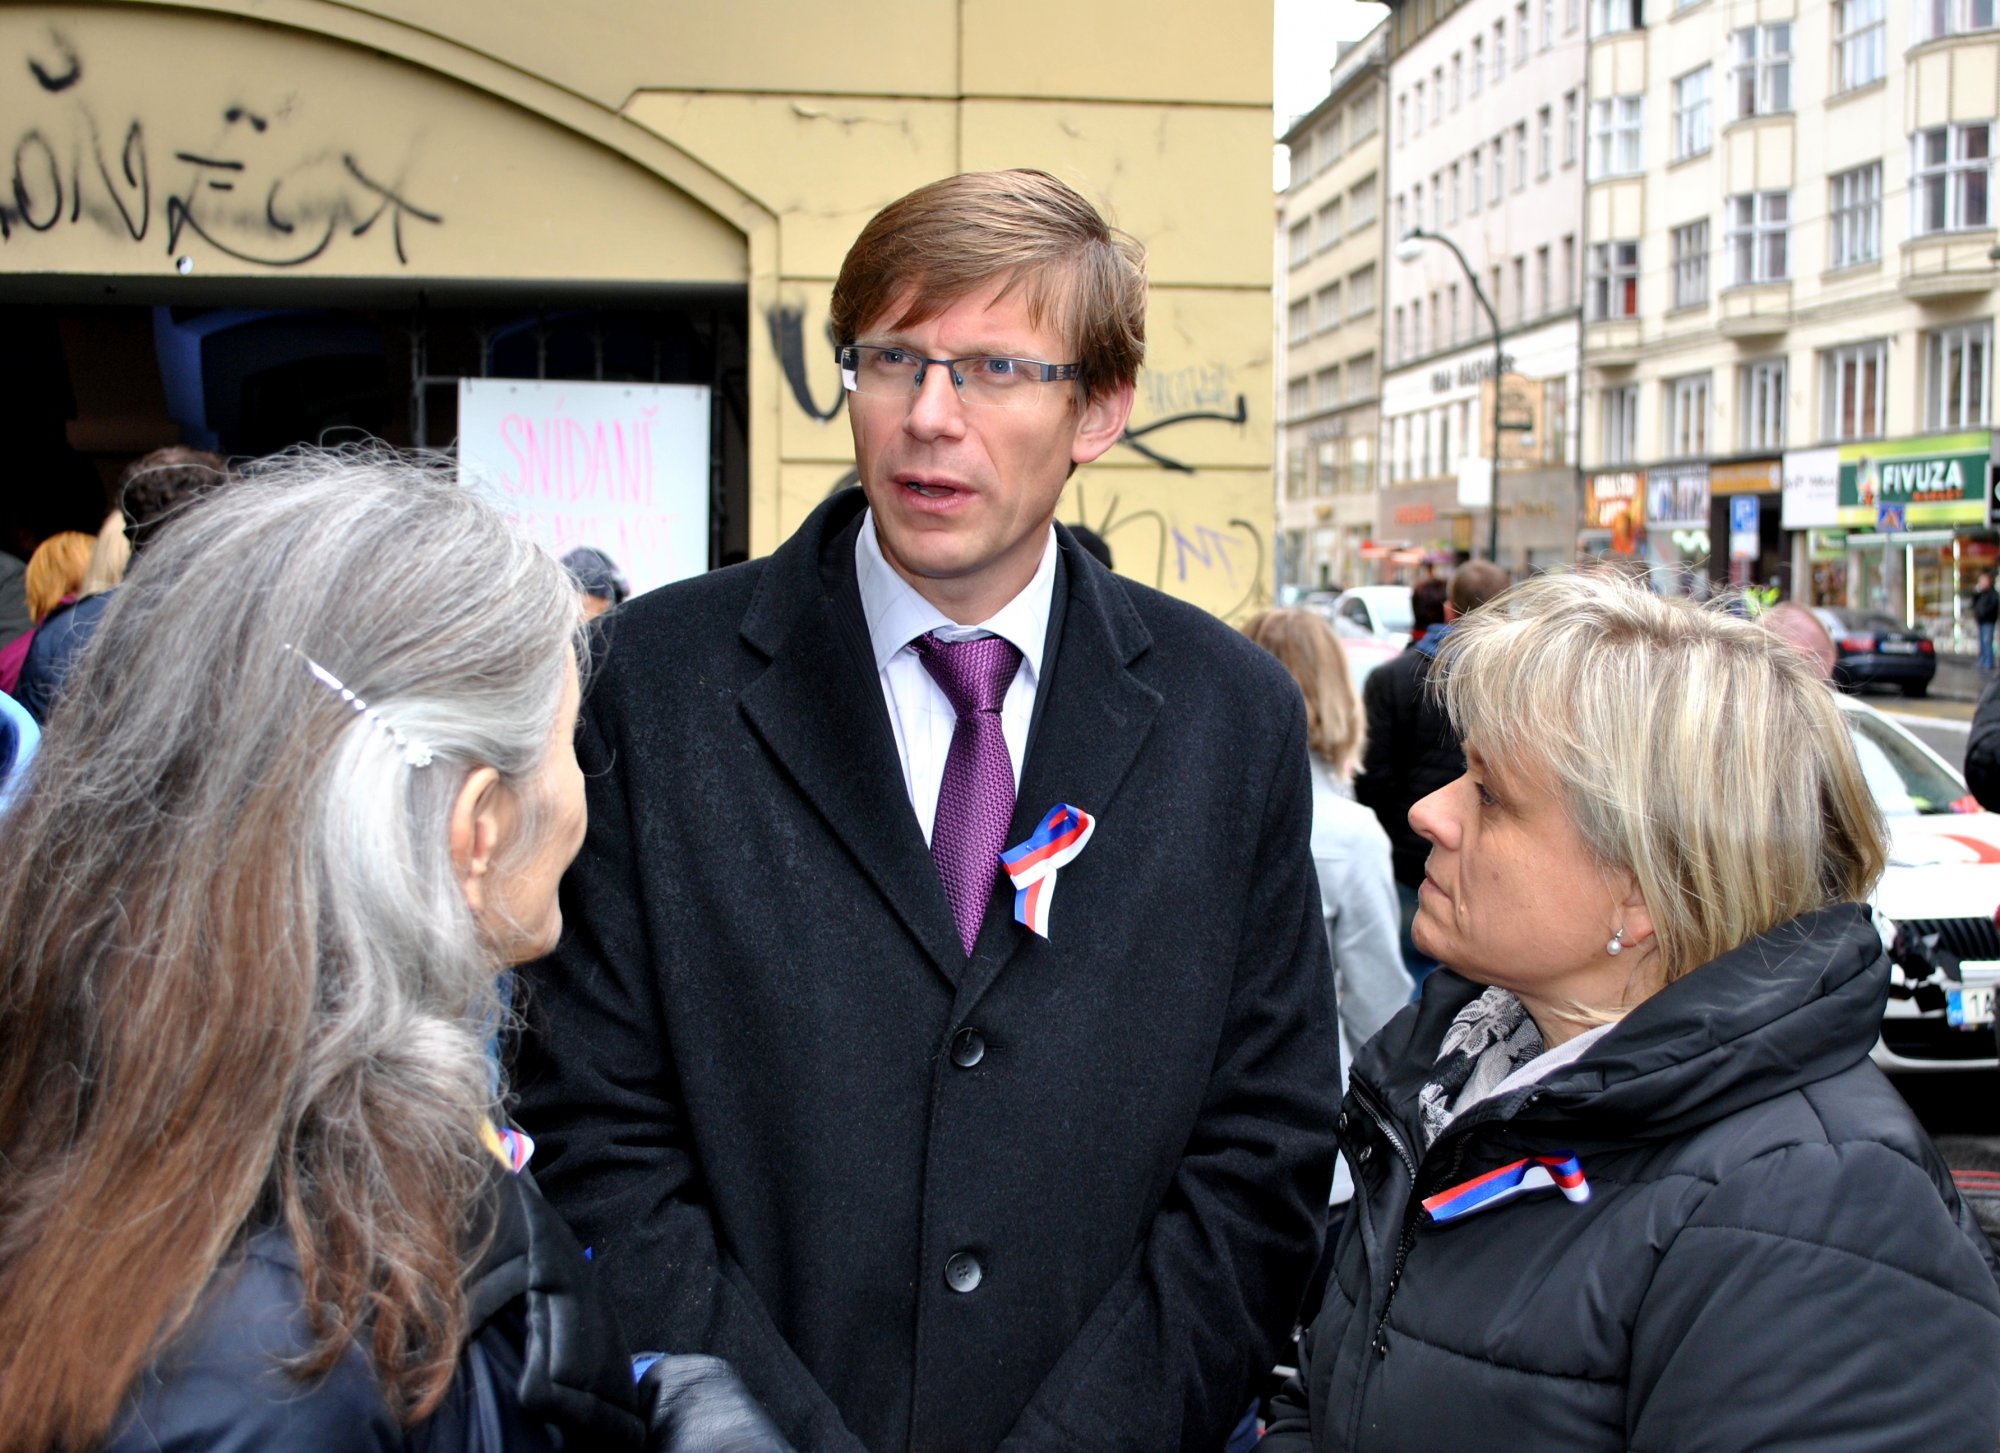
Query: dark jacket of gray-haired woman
x,y
1771,1254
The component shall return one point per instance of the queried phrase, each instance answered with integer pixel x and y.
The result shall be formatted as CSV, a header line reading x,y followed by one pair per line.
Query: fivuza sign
x,y
1913,483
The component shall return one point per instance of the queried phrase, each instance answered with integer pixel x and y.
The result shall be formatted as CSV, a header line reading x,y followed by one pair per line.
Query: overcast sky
x,y
1306,32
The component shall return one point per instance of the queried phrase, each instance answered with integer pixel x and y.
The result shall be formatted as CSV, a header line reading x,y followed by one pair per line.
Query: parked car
x,y
1878,650
1365,653
1935,905
1375,610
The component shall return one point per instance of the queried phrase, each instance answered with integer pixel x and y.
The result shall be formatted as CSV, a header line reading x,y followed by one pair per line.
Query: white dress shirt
x,y
919,712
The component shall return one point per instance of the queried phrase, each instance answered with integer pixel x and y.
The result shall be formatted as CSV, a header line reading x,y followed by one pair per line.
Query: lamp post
x,y
1408,250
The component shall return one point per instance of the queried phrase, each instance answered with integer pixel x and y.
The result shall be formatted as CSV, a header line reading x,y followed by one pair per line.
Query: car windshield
x,y
1903,781
1392,610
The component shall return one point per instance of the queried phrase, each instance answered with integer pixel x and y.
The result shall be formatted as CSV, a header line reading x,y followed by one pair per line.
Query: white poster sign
x,y
621,466
1475,482
1812,490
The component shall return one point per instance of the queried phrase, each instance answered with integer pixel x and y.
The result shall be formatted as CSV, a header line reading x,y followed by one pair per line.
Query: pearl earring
x,y
1617,945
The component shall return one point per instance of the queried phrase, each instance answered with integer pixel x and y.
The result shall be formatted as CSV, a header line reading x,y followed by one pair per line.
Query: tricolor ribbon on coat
x,y
1033,865
514,1148
1522,1177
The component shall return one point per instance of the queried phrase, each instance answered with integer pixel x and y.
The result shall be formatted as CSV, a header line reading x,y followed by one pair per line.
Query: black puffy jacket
x,y
1411,751
546,1368
1773,1255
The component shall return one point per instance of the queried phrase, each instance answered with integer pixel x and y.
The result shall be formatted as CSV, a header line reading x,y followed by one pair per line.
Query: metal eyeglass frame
x,y
850,359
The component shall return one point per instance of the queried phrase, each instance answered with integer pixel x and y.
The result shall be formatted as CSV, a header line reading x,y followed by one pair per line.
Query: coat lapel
x,y
1092,723
819,710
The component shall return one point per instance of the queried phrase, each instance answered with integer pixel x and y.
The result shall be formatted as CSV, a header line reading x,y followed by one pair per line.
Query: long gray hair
x,y
239,981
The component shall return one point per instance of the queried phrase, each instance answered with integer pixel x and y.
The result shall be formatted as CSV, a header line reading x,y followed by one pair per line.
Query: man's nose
x,y
937,408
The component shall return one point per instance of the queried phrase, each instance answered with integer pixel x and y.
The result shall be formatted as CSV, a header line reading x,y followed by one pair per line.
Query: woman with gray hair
x,y
309,792
1626,1178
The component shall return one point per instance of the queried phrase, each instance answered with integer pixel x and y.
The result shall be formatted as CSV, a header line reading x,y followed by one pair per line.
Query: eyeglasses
x,y
983,378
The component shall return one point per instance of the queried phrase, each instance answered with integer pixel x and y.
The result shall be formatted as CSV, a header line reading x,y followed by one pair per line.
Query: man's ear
x,y
475,835
1104,418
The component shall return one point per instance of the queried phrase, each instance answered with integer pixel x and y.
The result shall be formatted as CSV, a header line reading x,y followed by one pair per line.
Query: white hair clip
x,y
415,754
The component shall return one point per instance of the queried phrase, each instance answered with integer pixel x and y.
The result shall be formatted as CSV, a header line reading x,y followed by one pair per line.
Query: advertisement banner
x,y
1613,502
1677,495
1743,522
1812,490
1914,483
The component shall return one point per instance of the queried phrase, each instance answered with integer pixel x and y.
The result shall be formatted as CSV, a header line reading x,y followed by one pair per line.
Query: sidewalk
x,y
1958,677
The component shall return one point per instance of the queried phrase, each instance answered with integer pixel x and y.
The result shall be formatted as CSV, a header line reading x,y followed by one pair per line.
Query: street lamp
x,y
1409,250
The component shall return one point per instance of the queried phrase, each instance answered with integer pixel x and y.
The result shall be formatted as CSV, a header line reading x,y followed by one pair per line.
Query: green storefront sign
x,y
1913,484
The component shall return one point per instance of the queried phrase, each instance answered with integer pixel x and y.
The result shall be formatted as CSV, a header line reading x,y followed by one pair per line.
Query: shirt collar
x,y
897,615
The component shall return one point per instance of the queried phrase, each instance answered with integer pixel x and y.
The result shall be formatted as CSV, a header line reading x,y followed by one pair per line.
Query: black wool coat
x,y
1062,1194
1773,1255
1411,752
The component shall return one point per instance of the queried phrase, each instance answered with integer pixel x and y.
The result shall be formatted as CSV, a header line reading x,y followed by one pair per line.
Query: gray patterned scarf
x,y
1489,1039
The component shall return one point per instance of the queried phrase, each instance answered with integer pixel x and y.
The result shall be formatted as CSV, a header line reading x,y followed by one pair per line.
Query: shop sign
x,y
1415,514
1762,476
1936,481
1469,373
1743,522
1812,489
1677,495
1612,502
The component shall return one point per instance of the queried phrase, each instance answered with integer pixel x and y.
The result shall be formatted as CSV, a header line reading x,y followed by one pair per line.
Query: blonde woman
x,y
1626,1178
54,578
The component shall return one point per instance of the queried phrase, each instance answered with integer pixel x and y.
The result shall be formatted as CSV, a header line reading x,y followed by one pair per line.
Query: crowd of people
x,y
921,990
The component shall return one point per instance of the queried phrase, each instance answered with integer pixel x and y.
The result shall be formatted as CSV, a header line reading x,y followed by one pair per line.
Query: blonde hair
x,y
55,570
1695,750
1305,645
108,557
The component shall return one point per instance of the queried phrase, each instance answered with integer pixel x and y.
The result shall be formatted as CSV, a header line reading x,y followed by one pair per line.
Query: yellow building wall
x,y
632,141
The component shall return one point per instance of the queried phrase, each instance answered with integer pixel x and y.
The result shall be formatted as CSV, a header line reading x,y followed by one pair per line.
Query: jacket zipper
x,y
1379,1342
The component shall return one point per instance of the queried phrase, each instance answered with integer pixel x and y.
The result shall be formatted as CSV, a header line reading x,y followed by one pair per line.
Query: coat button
x,y
968,1048
962,1271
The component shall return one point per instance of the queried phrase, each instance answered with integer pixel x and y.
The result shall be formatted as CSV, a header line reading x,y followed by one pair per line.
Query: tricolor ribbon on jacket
x,y
1033,865
1519,1178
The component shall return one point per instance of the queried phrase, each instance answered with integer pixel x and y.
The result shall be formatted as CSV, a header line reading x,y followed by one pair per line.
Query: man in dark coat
x,y
1412,750
1985,613
937,1167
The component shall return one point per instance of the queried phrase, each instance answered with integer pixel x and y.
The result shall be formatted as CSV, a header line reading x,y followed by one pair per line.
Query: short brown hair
x,y
1474,583
946,241
1306,646
157,485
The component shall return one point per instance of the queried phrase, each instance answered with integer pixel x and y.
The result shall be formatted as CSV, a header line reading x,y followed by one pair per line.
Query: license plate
x,y
1969,1008
1899,648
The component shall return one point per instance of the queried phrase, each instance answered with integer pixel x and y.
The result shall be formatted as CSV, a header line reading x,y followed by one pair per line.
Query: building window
x,y
1571,106
1690,244
1543,281
1763,405
1326,388
1326,308
1457,78
1759,237
1439,323
1301,237
1935,18
1608,17
1456,191
1614,280
1326,151
1958,368
1621,424
1521,34
1326,225
1295,474
1520,156
1475,175
1416,206
1555,419
1520,288
1614,136
1950,171
1298,322
1499,168
1402,118
1437,95
1402,215
1451,302
1854,384
1763,75
1417,115
1417,328
1687,417
1437,200
1361,292
1545,141
1499,51
1361,204
1854,214
1326,468
1298,398
1569,270
1692,135
1572,14
1548,23
1399,337
1859,43
1363,119
1478,64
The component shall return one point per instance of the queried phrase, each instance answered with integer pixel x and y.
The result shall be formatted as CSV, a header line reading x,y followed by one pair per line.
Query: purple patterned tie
x,y
976,798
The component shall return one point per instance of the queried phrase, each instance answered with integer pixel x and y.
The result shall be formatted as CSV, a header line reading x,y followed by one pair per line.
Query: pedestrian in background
x,y
309,790
1985,612
1412,750
108,557
1628,1177
53,580
599,578
1357,886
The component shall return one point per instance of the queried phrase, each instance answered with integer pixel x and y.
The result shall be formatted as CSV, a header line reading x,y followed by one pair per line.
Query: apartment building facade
x,y
1485,151
1790,295
1329,326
